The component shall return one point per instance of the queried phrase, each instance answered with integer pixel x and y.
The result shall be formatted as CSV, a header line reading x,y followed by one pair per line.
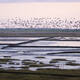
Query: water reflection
x,y
35,58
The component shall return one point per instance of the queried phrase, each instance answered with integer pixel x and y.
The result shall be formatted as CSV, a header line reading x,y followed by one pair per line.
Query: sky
x,y
39,0
40,8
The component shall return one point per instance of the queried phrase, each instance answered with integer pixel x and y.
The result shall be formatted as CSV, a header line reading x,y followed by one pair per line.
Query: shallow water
x,y
47,54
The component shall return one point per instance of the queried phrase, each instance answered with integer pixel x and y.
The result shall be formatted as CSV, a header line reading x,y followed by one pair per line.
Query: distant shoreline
x,y
38,32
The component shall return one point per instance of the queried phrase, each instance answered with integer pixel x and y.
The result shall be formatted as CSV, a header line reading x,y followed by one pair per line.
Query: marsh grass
x,y
40,57
57,60
40,74
72,64
4,61
28,62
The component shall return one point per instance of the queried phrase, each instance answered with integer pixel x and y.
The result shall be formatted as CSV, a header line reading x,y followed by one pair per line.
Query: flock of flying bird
x,y
16,22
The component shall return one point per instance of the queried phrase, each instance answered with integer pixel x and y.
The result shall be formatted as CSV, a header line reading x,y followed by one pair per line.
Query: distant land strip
x,y
39,32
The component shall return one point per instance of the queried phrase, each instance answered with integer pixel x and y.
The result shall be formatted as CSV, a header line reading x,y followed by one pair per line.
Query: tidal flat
x,y
40,62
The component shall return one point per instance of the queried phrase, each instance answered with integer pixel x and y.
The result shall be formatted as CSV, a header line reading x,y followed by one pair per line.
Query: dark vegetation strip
x,y
45,46
68,52
37,34
28,40
37,73
62,53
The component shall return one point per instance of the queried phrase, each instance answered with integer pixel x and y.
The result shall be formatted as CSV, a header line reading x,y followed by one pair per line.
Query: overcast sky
x,y
21,8
39,0
40,10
